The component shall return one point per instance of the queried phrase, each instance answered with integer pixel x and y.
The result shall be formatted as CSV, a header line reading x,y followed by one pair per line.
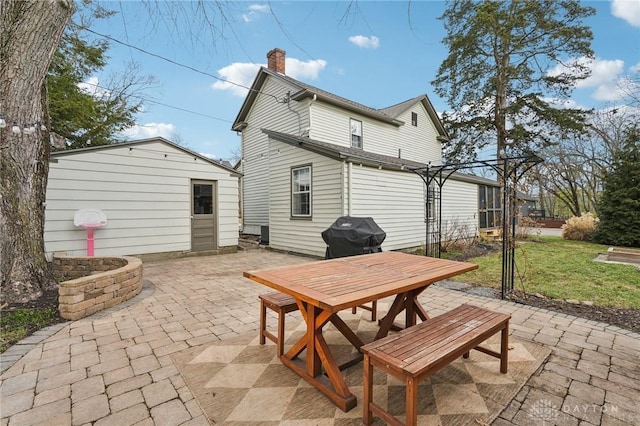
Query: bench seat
x,y
282,304
418,352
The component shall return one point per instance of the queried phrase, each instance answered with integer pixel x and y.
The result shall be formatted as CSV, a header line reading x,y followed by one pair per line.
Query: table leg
x,y
409,303
387,321
313,360
319,355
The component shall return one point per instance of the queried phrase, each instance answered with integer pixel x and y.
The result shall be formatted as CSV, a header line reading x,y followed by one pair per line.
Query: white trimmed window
x,y
356,133
301,191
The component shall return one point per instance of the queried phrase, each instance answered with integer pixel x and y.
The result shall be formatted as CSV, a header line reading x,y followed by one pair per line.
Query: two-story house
x,y
309,156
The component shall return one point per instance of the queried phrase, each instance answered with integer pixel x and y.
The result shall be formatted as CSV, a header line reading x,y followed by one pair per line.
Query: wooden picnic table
x,y
324,288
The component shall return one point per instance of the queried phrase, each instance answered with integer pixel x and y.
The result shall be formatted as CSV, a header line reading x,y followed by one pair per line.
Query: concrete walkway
x,y
114,368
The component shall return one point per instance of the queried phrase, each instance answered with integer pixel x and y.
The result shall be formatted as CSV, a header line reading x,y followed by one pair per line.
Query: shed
x,y
158,197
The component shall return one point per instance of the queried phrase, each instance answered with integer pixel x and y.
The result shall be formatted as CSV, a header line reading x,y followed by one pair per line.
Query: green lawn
x,y
15,325
563,269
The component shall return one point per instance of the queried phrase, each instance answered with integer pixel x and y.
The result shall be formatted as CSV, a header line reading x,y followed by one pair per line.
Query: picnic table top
x,y
337,284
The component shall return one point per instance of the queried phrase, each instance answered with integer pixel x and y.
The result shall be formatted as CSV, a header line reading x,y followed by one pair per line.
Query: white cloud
x,y
254,11
635,68
629,10
242,74
564,103
605,77
304,70
150,130
92,87
209,156
365,42
603,72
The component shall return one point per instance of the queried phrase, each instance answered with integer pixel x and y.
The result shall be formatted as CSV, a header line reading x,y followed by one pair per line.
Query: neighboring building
x,y
309,156
158,197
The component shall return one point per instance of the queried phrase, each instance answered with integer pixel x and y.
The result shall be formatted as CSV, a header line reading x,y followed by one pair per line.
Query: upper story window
x,y
356,133
414,118
301,191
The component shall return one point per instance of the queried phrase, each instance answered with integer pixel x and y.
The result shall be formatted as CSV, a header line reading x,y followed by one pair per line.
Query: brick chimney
x,y
275,60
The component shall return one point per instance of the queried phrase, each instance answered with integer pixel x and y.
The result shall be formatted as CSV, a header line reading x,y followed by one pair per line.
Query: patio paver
x,y
115,367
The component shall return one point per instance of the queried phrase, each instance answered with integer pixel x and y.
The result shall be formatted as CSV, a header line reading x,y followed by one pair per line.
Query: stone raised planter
x,y
95,283
623,254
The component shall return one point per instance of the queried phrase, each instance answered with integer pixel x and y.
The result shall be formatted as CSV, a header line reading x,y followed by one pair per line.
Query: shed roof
x,y
140,142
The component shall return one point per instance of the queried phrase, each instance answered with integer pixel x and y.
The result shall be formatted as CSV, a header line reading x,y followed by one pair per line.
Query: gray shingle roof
x,y
357,155
388,114
344,153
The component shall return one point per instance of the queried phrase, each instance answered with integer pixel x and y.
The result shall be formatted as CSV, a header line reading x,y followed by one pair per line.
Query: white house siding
x,y
302,235
459,209
331,124
145,196
272,114
394,199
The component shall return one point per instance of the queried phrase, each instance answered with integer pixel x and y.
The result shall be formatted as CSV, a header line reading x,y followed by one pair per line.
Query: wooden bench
x,y
282,304
373,309
417,352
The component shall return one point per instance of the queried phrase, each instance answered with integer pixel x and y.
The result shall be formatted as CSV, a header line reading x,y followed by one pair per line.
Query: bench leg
x,y
281,317
504,348
263,321
412,402
367,391
374,310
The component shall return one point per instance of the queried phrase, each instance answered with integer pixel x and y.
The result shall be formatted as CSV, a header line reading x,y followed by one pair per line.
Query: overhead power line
x,y
97,86
189,67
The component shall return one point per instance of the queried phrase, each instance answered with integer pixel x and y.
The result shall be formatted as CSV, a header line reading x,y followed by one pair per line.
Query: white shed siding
x,y
267,112
459,209
145,191
302,235
331,124
395,200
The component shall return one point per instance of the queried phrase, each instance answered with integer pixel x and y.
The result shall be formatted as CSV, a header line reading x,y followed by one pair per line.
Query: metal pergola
x,y
509,171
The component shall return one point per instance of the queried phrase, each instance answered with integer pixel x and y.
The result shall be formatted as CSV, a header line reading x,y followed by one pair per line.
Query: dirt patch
x,y
48,299
628,319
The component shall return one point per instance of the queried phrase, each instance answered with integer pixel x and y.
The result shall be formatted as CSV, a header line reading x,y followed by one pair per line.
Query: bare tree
x,y
574,169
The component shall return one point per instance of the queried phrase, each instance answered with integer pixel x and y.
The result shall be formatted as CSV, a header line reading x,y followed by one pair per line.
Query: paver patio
x,y
115,367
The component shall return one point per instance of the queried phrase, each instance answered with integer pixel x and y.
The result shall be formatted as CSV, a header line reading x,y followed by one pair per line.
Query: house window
x,y
489,206
431,195
356,133
301,191
414,119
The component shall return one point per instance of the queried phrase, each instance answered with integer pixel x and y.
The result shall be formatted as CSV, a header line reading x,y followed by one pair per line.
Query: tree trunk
x,y
29,35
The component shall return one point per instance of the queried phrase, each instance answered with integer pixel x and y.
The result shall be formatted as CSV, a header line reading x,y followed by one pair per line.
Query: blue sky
x,y
367,51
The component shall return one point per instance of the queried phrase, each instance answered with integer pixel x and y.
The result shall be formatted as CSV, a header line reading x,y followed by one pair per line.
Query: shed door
x,y
203,215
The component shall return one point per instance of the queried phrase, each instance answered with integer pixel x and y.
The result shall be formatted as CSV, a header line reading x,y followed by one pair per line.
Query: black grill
x,y
351,236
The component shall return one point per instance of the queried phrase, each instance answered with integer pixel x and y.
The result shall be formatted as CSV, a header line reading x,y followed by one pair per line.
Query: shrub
x,y
619,206
456,235
526,226
579,228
